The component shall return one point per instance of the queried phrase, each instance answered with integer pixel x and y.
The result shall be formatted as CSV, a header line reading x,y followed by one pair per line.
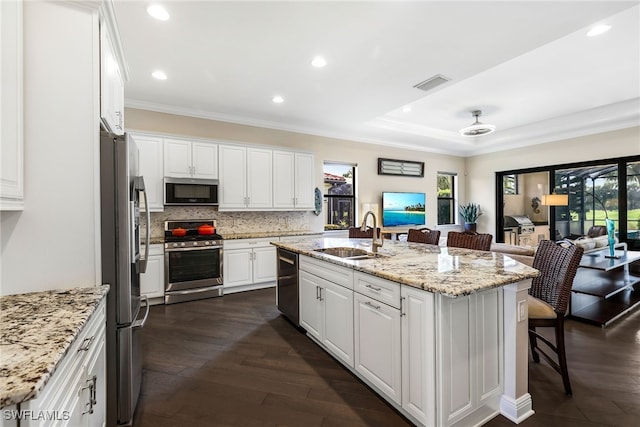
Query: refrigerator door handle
x,y
140,323
143,264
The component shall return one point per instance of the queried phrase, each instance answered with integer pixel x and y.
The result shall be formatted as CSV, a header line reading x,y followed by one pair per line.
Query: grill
x,y
522,222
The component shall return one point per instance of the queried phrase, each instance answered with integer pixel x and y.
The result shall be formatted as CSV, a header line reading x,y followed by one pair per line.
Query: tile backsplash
x,y
232,222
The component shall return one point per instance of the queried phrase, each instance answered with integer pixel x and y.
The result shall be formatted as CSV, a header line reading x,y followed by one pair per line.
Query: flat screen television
x,y
402,209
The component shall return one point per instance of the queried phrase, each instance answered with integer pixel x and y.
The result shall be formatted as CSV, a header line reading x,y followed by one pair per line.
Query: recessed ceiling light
x,y
158,12
598,29
160,75
406,109
278,99
319,62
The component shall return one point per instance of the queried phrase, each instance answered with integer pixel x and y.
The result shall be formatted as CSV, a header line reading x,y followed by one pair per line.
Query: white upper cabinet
x,y
11,135
303,178
150,158
245,178
293,180
111,85
190,159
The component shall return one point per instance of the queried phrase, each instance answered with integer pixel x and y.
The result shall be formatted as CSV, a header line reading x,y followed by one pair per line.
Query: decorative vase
x,y
470,227
610,234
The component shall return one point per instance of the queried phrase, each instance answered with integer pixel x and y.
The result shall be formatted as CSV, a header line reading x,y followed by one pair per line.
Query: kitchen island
x,y
51,347
440,333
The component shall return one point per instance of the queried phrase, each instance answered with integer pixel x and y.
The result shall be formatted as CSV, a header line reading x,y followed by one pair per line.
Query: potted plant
x,y
470,213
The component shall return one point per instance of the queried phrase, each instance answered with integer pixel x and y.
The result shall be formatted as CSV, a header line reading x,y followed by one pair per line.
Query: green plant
x,y
470,212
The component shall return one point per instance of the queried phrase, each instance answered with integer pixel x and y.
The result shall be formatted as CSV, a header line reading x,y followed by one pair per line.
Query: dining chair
x,y
549,300
477,241
423,235
357,233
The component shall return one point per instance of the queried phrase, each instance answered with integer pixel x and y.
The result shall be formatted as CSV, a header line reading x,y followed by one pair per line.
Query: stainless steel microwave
x,y
190,191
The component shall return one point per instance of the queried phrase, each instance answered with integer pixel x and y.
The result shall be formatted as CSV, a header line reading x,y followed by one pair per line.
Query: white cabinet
x,y
418,354
111,84
245,178
248,264
326,310
470,362
152,281
293,180
11,113
190,159
377,344
150,166
76,392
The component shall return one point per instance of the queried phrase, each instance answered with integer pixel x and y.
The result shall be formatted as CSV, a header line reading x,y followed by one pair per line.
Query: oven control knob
x,y
206,243
182,244
175,245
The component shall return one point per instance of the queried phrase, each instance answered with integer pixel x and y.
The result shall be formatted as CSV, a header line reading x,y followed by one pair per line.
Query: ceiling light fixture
x,y
319,62
160,75
477,128
596,30
158,12
278,99
406,109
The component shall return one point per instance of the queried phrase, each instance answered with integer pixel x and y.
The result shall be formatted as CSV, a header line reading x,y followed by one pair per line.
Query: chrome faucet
x,y
376,243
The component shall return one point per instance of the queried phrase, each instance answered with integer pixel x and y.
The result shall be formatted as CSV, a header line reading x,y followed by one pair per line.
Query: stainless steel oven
x,y
192,261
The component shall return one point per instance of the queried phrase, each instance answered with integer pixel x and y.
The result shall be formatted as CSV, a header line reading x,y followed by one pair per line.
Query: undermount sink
x,y
348,253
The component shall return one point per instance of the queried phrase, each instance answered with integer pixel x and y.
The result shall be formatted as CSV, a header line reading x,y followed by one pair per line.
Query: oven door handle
x,y
192,248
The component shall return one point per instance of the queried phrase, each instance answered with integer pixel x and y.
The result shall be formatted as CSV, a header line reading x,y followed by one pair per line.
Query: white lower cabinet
x,y
439,360
248,264
152,281
418,354
76,393
377,344
326,312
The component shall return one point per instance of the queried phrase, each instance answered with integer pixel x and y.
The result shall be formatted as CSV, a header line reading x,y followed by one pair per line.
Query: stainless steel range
x,y
520,230
192,261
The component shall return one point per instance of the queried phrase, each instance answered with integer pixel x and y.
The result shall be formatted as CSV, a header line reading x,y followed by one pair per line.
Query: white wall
x,y
370,184
52,243
481,169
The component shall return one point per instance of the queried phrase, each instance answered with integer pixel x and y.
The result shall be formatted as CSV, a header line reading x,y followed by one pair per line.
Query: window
x,y
446,197
510,184
339,195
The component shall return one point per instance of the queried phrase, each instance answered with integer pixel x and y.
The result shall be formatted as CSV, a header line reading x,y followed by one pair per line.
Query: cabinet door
x,y
259,179
177,158
304,182
96,376
152,281
264,264
418,357
237,267
151,167
204,156
338,324
11,112
233,177
112,86
377,344
311,313
283,179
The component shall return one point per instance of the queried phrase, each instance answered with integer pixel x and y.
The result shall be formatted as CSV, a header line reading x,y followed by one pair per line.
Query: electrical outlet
x,y
523,312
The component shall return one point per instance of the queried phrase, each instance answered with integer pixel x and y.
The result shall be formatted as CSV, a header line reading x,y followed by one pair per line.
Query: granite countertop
x,y
159,240
36,331
449,271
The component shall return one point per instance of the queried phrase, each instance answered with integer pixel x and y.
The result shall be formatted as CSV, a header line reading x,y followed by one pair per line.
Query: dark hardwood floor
x,y
234,361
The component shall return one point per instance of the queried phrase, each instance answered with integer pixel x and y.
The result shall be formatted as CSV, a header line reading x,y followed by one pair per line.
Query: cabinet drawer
x,y
249,243
334,273
379,289
155,250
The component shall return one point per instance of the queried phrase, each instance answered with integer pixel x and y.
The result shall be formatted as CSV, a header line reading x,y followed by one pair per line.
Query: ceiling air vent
x,y
432,82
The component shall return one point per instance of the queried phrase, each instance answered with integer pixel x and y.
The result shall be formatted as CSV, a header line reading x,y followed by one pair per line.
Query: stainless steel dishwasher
x,y
287,287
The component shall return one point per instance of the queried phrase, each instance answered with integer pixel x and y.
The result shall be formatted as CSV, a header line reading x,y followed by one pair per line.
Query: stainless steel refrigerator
x,y
121,190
